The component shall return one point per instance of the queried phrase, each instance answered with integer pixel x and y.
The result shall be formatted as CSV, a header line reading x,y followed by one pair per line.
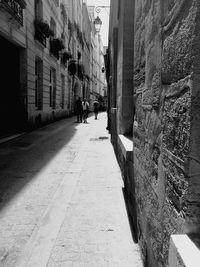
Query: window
x,y
38,83
62,98
119,9
39,35
52,88
69,84
53,26
38,9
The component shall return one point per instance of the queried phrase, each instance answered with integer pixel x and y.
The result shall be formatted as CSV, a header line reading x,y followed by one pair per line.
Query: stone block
x,y
176,124
126,145
156,89
183,252
177,53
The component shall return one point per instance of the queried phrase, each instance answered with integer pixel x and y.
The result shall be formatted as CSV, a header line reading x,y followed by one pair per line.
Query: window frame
x,y
52,88
38,9
38,83
62,96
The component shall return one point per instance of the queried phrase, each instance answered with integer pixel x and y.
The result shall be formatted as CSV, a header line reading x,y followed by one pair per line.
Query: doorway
x,y
11,110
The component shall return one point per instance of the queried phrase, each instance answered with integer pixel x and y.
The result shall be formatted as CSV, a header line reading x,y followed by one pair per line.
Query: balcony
x,y
14,8
39,36
56,46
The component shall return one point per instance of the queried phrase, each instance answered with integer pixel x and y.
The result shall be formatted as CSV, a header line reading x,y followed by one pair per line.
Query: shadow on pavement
x,y
132,221
25,157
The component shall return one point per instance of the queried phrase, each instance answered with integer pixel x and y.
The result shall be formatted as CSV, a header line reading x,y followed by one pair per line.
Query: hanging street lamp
x,y
97,24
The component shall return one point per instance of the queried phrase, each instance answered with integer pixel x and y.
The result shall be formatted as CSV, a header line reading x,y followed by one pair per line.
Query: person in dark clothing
x,y
96,109
79,110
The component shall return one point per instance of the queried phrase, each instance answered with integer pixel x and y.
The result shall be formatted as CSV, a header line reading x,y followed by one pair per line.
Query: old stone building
x,y
86,52
77,46
46,53
153,64
47,78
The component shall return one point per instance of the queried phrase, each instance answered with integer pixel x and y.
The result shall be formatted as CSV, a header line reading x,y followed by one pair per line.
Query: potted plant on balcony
x,y
66,55
72,67
56,45
42,31
49,33
43,28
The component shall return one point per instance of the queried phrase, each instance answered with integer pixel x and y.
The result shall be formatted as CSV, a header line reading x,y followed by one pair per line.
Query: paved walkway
x,y
85,222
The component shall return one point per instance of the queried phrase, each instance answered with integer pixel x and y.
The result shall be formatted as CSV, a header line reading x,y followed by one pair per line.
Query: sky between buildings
x,y
104,16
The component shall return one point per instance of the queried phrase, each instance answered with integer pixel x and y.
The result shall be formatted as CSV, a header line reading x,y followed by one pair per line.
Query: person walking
x,y
79,110
85,106
96,109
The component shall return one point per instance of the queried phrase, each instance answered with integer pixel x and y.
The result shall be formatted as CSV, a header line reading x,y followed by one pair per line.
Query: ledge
x,y
183,252
126,145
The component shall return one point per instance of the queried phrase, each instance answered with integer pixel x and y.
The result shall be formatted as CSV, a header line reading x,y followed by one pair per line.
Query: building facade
x,y
153,86
86,52
98,82
47,78
49,46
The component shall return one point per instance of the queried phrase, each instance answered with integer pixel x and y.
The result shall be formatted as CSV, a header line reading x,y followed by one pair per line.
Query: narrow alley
x,y
121,190
62,199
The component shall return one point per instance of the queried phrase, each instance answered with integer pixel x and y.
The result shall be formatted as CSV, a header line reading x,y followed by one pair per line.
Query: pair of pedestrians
x,y
82,110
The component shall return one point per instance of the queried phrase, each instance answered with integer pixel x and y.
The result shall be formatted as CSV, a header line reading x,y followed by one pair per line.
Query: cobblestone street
x,y
61,199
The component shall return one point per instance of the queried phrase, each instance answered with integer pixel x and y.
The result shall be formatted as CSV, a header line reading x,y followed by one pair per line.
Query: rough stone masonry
x,y
166,130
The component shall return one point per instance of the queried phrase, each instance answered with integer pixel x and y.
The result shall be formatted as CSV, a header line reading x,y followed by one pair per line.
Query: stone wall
x,y
120,83
166,93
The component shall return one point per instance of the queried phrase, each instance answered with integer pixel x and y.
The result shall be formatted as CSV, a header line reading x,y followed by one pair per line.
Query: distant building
x,y
97,62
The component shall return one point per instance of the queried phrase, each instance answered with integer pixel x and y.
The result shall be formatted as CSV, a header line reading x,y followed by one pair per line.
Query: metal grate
x,y
103,137
100,138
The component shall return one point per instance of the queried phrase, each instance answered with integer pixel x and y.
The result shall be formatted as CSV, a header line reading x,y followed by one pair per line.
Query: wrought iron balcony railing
x,y
40,37
15,8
